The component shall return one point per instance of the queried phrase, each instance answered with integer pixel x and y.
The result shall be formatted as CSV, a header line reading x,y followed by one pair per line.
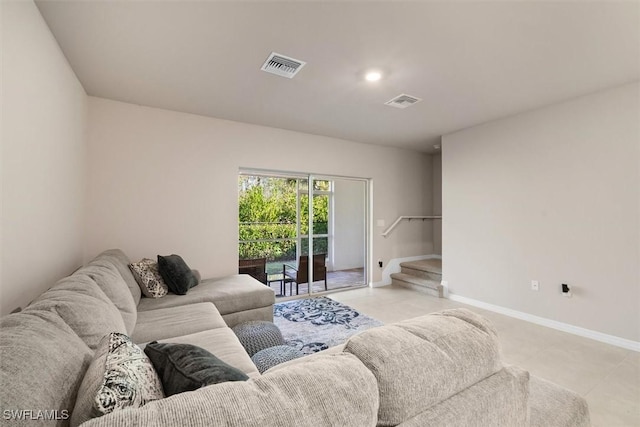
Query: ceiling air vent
x,y
281,65
403,101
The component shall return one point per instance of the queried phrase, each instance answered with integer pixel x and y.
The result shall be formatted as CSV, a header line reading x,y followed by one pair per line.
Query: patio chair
x,y
256,268
300,274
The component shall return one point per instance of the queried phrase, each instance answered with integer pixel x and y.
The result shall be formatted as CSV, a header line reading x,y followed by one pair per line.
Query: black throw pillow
x,y
186,367
176,274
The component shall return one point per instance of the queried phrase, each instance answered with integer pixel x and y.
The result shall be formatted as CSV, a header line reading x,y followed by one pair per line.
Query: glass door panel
x,y
274,229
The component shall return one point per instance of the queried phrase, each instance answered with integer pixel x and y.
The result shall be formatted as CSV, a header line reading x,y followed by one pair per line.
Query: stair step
x,y
433,265
431,287
426,269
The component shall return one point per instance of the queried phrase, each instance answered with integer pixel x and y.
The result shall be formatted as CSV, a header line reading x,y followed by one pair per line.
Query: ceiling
x,y
470,62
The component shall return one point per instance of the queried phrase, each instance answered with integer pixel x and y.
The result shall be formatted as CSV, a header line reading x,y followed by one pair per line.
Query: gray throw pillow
x,y
176,274
186,367
120,376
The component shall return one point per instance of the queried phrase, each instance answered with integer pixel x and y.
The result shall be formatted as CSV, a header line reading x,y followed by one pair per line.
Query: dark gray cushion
x,y
176,274
186,367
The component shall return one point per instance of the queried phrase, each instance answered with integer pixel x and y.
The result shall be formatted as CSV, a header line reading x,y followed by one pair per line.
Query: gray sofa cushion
x,y
170,322
121,262
423,361
83,306
230,295
42,362
499,400
332,391
108,277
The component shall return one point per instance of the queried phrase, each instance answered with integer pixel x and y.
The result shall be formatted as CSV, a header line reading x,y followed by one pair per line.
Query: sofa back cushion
x,y
121,262
83,306
42,363
108,278
423,361
332,390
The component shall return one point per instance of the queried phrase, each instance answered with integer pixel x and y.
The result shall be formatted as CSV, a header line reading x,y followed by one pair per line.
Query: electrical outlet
x,y
380,263
535,285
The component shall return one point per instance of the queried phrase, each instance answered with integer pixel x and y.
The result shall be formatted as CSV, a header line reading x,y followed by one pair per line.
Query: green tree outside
x,y
267,211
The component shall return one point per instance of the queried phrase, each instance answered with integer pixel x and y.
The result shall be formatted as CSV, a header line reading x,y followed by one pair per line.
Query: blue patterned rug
x,y
314,324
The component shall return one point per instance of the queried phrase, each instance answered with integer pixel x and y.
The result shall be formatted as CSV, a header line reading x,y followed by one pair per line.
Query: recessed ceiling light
x,y
373,76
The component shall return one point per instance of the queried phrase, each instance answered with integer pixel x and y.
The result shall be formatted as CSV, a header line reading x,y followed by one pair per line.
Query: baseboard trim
x,y
564,327
393,266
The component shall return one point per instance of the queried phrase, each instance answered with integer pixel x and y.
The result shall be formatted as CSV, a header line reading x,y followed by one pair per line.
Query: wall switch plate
x,y
535,285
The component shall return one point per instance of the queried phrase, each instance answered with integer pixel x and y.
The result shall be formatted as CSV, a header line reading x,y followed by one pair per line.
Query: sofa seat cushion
x,y
330,391
223,344
172,322
42,363
83,306
231,294
423,361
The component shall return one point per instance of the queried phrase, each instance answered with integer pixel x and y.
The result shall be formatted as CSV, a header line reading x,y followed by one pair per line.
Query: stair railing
x,y
409,218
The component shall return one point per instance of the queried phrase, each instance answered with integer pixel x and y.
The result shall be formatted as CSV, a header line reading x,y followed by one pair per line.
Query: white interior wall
x,y
43,148
349,224
551,195
164,182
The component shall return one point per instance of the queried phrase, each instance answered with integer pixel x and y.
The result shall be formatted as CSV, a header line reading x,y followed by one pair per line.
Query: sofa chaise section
x,y
239,298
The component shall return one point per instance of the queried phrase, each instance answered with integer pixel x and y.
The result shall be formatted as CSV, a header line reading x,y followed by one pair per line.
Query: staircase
x,y
424,276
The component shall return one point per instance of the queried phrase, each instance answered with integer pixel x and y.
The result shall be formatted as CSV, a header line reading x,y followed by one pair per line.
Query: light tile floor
x,y
607,376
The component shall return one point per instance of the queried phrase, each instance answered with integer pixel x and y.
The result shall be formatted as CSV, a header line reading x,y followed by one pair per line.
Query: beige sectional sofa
x,y
442,369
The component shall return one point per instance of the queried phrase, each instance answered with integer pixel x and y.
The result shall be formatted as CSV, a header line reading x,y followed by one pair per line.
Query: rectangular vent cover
x,y
403,101
281,65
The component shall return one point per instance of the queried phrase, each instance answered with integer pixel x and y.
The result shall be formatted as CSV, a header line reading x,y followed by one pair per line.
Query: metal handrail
x,y
408,217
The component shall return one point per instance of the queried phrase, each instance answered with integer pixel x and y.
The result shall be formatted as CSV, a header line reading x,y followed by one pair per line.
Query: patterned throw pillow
x,y
148,277
120,376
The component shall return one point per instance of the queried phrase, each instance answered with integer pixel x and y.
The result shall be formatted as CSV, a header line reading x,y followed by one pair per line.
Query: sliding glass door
x,y
279,228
